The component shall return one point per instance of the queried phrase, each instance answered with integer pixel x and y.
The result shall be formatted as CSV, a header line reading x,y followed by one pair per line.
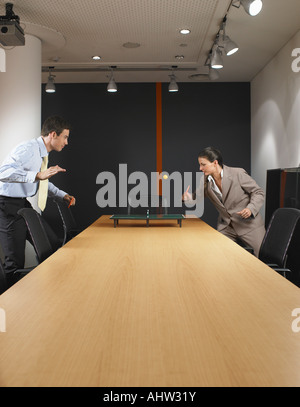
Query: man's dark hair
x,y
212,154
55,123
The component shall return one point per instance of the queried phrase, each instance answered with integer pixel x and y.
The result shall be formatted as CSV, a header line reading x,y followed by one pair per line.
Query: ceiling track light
x,y
222,42
213,73
127,68
173,87
216,61
50,86
252,7
230,47
112,86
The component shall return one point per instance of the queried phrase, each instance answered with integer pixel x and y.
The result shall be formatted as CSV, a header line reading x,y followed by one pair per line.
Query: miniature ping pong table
x,y
148,218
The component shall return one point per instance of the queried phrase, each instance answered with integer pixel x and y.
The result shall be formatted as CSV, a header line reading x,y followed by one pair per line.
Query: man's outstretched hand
x,y
48,173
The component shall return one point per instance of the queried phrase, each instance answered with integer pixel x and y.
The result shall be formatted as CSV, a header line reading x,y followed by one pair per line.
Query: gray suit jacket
x,y
239,191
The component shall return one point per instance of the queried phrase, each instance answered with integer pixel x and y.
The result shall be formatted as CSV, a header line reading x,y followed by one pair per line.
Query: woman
x,y
236,196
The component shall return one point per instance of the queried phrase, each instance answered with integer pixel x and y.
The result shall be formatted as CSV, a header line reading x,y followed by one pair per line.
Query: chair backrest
x,y
35,226
278,236
156,204
69,224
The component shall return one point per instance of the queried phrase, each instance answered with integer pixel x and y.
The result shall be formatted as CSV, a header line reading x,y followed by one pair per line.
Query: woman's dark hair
x,y
211,154
54,123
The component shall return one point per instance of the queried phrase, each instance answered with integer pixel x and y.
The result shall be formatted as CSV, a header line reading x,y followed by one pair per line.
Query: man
x,y
20,178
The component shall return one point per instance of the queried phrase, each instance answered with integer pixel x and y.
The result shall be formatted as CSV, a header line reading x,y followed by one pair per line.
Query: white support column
x,y
20,101
20,95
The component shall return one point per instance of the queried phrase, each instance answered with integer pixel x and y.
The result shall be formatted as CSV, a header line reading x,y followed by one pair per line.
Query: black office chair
x,y
69,224
156,204
274,247
3,282
40,240
17,275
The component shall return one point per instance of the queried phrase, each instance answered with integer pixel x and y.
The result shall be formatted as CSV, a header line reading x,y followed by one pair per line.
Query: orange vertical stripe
x,y
159,135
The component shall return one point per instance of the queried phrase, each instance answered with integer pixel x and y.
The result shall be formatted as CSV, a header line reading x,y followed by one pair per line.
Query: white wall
x,y
275,105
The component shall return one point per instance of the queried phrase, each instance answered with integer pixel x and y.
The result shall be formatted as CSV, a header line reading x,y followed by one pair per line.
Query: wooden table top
x,y
157,306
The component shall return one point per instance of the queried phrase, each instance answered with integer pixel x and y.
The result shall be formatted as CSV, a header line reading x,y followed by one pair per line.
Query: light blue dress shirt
x,y
19,169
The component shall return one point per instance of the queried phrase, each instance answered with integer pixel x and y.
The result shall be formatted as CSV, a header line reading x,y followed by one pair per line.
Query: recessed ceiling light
x,y
96,57
185,31
179,56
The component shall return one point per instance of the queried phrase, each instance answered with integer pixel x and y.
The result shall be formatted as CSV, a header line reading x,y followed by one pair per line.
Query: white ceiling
x,y
72,31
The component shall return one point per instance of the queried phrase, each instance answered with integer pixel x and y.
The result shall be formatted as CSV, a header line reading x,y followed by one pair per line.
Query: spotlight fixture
x,y
230,46
96,57
216,61
112,87
173,87
252,7
50,86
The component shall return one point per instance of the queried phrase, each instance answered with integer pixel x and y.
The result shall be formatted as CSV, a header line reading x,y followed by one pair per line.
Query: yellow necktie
x,y
43,187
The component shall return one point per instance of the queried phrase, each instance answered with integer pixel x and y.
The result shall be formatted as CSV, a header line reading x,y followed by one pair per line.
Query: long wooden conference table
x,y
150,306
